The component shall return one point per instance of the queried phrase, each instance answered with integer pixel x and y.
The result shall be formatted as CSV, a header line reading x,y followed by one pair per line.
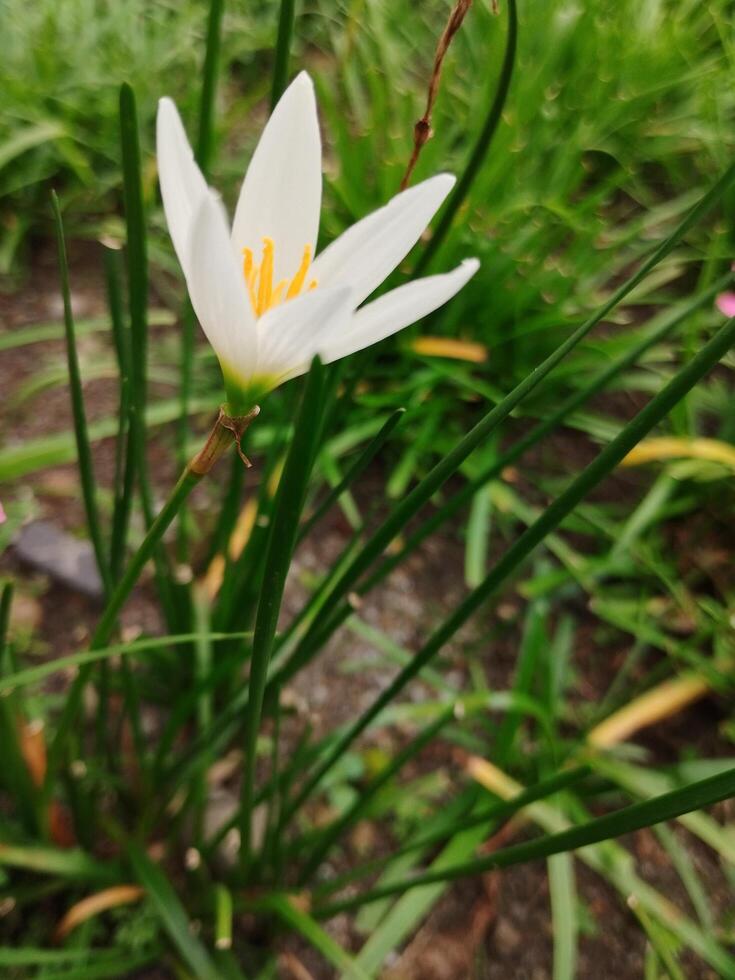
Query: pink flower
x,y
3,515
726,304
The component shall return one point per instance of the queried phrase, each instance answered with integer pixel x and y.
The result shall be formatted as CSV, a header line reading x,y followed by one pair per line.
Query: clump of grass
x,y
592,209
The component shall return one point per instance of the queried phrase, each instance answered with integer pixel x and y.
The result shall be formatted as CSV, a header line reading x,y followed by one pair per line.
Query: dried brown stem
x,y
422,129
224,430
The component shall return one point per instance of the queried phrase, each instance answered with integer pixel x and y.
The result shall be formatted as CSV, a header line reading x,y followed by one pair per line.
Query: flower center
x,y
264,295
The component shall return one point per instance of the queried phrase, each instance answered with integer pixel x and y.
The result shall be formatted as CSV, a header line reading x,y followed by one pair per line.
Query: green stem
x,y
281,540
204,146
286,19
84,452
219,440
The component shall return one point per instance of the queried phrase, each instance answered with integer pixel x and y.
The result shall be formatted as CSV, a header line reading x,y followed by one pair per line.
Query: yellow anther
x,y
259,279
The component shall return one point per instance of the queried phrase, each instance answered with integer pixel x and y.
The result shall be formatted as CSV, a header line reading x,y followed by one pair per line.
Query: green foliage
x,y
594,150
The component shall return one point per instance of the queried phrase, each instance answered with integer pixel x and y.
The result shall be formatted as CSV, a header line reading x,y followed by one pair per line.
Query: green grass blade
x,y
204,146
103,632
286,17
104,967
84,453
137,256
124,481
279,548
353,813
171,913
71,863
32,675
210,71
355,471
58,448
492,120
659,330
14,774
6,601
549,520
479,816
563,894
703,793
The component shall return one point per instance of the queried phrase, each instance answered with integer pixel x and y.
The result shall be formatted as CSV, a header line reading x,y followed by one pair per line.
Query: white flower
x,y
265,303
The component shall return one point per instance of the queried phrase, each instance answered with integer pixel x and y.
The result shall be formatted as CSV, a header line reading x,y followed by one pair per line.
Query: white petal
x,y
282,192
290,335
397,309
217,291
182,185
371,249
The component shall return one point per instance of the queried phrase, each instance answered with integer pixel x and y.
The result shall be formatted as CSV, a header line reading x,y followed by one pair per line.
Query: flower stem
x,y
220,439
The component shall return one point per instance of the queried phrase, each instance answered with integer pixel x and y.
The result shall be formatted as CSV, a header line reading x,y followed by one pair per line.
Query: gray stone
x,y
62,557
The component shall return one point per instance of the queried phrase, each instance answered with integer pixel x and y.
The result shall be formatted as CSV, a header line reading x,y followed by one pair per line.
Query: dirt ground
x,y
497,927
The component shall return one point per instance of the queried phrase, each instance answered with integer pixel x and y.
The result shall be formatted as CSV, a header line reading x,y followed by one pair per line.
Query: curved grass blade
x,y
548,521
492,120
479,816
658,332
71,863
353,813
106,625
703,793
354,472
124,483
205,141
137,262
84,453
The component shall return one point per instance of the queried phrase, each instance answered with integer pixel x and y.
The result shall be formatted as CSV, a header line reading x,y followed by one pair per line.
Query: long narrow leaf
x,y
703,793
84,454
281,538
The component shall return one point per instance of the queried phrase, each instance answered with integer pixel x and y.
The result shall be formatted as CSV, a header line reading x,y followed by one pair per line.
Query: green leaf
x,y
84,453
71,863
563,893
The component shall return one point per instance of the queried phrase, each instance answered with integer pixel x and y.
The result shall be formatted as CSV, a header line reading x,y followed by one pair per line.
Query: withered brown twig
x,y
422,129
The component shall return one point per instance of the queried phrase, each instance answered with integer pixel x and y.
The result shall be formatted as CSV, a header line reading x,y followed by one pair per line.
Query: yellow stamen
x,y
265,286
298,280
278,293
259,279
